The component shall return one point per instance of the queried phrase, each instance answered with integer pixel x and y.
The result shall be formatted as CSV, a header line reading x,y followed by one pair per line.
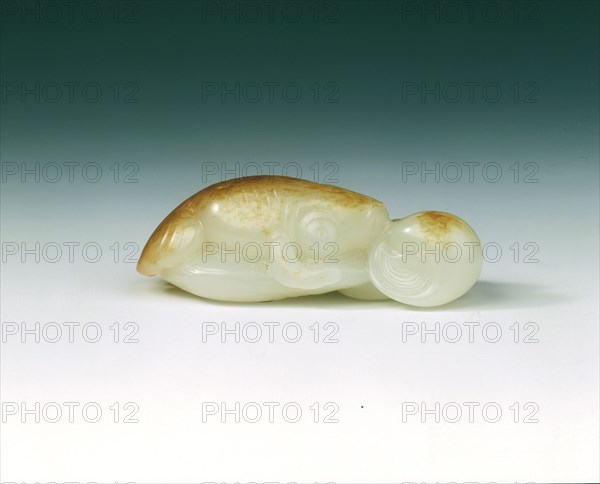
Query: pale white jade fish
x,y
264,238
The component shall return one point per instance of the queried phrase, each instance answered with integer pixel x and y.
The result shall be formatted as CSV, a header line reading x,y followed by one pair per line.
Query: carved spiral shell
x,y
426,259
311,226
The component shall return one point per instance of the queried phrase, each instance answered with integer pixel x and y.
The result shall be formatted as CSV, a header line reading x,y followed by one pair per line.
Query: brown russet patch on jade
x,y
438,224
247,199
266,186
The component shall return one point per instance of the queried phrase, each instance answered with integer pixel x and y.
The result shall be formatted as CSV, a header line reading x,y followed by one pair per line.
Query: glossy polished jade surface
x,y
267,237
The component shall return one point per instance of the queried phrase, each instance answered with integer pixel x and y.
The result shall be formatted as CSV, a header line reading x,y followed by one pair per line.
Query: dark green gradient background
x,y
369,51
